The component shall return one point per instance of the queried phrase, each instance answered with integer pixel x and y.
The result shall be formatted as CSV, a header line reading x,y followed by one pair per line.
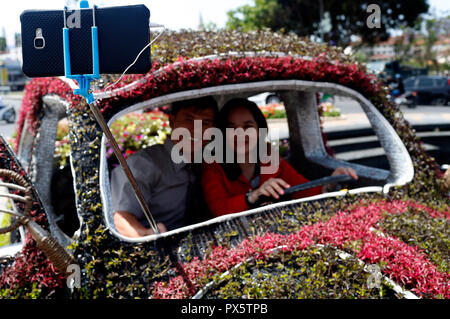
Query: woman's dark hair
x,y
232,170
240,102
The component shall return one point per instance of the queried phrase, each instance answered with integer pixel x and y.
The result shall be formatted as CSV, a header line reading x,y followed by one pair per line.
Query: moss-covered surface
x,y
167,267
314,272
417,228
355,230
30,274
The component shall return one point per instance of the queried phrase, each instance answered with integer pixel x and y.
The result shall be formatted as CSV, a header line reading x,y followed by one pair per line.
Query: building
x,y
385,51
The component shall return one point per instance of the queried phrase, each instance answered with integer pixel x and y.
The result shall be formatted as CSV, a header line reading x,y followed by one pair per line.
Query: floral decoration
x,y
375,231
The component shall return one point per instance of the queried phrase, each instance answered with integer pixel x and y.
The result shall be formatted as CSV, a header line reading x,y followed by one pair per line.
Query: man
x,y
167,185
400,85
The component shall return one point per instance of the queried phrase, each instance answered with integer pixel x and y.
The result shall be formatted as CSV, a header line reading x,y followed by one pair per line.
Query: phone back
x,y
122,33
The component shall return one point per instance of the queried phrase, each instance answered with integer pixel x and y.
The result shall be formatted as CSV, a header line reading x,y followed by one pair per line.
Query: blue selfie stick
x,y
84,80
84,83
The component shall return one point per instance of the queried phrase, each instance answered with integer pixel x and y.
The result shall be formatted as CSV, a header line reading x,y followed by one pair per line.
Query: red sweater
x,y
225,197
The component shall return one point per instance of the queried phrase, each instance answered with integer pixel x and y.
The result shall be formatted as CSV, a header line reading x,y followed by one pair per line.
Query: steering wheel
x,y
301,187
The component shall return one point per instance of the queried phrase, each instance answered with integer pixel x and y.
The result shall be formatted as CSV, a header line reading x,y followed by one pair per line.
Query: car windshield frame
x,y
401,171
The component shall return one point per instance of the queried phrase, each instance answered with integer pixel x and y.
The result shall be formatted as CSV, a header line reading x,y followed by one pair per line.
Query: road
x,y
365,148
353,116
356,148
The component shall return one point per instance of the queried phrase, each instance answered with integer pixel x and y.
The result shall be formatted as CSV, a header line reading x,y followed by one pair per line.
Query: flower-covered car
x,y
387,237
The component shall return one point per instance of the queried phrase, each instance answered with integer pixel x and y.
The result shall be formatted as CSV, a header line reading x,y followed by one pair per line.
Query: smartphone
x,y
123,32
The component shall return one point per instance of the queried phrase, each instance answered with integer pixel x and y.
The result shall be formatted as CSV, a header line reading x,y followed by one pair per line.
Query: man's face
x,y
185,119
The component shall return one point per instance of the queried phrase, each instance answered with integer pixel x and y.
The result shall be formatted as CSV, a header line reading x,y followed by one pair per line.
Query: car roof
x,y
431,77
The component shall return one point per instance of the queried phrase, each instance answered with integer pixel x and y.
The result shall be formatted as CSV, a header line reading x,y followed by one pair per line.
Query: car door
x,y
424,90
25,210
12,241
409,83
441,94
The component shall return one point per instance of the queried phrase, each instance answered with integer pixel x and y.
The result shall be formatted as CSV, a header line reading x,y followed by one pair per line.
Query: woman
x,y
237,186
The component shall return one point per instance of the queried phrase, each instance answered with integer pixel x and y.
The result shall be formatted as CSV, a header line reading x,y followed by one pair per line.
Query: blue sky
x,y
174,14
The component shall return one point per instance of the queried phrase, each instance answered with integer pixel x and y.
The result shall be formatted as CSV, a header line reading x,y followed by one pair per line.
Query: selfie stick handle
x,y
84,82
99,117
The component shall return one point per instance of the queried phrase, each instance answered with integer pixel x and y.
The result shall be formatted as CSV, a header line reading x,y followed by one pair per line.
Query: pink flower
x,y
405,264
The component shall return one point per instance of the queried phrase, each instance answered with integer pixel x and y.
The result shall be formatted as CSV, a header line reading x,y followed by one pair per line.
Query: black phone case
x,y
122,33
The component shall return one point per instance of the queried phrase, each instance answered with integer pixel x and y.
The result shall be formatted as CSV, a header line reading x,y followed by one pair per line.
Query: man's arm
x,y
127,211
128,225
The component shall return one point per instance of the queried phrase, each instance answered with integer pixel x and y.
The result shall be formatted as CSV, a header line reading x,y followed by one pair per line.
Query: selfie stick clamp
x,y
84,82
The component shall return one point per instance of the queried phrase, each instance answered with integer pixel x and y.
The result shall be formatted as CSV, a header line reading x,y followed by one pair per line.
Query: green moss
x,y
418,228
111,266
311,273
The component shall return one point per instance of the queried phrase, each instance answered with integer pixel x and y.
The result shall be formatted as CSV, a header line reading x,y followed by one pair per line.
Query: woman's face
x,y
244,137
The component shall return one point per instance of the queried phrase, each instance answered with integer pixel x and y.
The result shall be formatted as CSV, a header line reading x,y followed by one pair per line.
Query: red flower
x,y
405,264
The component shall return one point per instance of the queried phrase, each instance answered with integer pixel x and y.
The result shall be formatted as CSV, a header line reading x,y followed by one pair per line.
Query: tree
x,y
348,17
435,29
417,45
403,45
249,18
429,56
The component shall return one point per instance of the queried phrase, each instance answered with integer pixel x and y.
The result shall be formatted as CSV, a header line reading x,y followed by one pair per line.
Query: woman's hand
x,y
273,187
340,171
345,171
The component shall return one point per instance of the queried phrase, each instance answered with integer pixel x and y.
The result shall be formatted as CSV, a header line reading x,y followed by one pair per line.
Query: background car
x,y
266,98
7,113
429,90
